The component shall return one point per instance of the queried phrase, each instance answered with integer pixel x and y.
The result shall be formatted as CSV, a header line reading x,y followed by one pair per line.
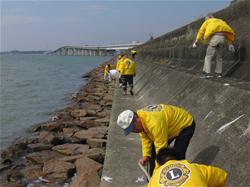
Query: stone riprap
x,y
68,150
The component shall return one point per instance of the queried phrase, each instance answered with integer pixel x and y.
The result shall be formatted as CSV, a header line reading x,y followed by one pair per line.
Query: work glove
x,y
195,44
231,48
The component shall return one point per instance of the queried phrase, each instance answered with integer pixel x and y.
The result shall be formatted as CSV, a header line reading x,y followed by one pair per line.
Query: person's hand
x,y
144,160
231,48
195,44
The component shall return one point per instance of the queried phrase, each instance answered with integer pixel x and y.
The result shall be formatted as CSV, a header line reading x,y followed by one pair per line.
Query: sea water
x,y
34,86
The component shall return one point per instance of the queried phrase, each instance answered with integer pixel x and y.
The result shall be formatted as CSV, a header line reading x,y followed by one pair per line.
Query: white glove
x,y
231,48
195,44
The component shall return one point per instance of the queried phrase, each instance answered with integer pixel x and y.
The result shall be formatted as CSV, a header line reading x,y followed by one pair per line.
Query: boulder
x,y
39,147
58,170
90,106
77,113
96,154
104,121
45,137
32,171
95,132
90,179
91,112
50,126
71,149
85,164
96,143
86,177
73,158
42,156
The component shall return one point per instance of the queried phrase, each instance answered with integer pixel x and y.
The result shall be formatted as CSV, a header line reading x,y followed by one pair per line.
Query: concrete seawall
x,y
221,112
170,72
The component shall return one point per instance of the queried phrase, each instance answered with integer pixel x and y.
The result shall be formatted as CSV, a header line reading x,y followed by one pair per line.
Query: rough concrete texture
x,y
175,48
221,112
170,72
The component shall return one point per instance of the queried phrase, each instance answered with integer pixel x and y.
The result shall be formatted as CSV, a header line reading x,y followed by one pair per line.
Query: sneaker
x,y
206,76
131,92
219,75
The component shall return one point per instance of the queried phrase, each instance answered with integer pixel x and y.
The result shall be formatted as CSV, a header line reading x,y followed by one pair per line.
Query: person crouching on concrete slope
x,y
128,72
158,125
106,73
217,32
174,171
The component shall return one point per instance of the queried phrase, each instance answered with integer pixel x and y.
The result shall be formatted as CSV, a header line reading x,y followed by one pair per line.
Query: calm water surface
x,y
33,86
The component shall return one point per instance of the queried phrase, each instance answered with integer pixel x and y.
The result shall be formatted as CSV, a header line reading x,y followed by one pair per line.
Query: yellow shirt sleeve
x,y
146,144
201,31
215,176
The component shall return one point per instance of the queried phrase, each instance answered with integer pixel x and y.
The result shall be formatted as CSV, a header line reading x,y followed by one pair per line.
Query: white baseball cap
x,y
124,121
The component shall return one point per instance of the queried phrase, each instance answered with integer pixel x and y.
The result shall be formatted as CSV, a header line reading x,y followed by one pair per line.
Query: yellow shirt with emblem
x,y
212,26
161,123
185,174
127,67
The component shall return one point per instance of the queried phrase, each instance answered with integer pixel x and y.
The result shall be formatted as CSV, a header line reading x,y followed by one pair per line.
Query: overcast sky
x,y
48,25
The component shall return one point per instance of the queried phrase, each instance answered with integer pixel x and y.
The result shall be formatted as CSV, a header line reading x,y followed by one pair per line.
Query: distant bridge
x,y
108,50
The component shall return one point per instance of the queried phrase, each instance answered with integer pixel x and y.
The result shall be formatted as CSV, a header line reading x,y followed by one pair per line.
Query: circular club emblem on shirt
x,y
174,175
153,108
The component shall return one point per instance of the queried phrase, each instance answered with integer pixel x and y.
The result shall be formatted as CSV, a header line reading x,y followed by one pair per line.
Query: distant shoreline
x,y
24,52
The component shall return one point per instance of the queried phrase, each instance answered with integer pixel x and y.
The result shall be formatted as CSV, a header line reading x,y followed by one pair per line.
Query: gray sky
x,y
48,25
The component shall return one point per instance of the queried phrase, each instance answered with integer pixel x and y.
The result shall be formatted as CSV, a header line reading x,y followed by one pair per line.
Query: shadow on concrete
x,y
207,155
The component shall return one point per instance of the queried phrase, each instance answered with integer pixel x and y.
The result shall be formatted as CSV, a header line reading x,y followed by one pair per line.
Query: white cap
x,y
124,120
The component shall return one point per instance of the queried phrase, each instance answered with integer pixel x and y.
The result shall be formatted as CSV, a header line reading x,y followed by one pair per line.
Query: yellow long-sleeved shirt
x,y
161,123
212,26
118,64
107,68
127,67
185,174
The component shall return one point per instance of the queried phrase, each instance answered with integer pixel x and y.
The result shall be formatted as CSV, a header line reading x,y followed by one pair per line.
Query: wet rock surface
x,y
68,150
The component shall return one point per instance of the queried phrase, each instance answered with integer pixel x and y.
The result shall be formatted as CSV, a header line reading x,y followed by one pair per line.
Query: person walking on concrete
x,y
128,72
118,68
158,125
174,171
217,32
106,73
133,54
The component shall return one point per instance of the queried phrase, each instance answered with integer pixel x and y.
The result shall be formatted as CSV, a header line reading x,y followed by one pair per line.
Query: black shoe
x,y
131,92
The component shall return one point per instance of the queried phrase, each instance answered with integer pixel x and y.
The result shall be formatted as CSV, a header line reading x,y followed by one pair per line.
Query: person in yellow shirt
x,y
158,125
118,63
106,73
133,54
216,32
128,71
174,171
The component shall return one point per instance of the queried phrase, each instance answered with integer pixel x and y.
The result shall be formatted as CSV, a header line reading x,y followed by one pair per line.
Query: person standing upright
x,y
217,32
128,72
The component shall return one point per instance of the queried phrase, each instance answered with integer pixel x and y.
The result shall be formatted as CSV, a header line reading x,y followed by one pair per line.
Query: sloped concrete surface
x,y
221,111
